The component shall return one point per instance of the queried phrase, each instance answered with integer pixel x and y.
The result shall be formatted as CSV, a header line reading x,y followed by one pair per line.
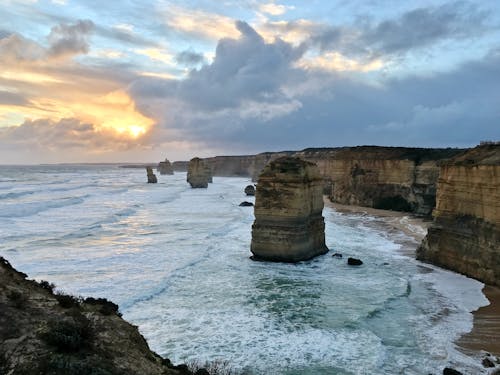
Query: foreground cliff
x,y
46,333
465,234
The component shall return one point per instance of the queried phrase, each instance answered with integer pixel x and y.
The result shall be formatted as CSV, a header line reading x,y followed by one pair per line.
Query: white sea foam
x,y
177,261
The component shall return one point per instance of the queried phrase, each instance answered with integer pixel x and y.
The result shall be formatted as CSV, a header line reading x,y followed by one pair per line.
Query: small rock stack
x,y
199,174
164,167
289,226
151,176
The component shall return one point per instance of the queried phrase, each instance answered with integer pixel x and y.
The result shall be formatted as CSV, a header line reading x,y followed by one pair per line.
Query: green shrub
x,y
69,335
67,301
47,286
18,299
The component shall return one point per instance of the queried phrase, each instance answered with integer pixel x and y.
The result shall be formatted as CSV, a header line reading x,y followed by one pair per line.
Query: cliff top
x,y
484,154
382,152
290,169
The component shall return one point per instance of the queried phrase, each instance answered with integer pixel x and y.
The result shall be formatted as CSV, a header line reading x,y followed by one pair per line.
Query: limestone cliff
x,y
396,178
199,174
289,226
46,333
465,233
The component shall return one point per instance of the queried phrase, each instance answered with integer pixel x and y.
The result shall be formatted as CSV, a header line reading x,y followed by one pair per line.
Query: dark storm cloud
x,y
70,39
252,97
189,58
414,29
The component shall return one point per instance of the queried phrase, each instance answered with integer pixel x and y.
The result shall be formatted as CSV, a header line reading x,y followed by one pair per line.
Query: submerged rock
x,y
354,262
289,226
250,190
199,174
337,255
164,167
151,176
246,204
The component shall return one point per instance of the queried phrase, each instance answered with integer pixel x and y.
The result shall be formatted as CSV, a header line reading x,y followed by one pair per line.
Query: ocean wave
x,y
33,208
13,195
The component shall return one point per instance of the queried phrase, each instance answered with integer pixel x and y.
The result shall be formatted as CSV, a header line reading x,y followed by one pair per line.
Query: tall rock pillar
x,y
289,226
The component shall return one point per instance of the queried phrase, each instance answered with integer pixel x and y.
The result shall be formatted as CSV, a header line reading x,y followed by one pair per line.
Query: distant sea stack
x,y
164,167
465,234
289,226
198,174
151,176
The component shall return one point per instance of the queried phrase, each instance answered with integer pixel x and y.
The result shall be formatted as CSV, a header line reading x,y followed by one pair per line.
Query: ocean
x,y
176,260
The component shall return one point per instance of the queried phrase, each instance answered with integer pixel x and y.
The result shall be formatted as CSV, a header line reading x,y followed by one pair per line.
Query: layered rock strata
x,y
199,174
151,176
395,178
289,226
42,332
465,233
164,167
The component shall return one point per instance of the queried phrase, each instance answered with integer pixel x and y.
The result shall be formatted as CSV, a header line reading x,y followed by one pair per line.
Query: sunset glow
x,y
243,77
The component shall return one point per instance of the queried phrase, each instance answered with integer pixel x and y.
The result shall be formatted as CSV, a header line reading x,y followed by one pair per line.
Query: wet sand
x,y
485,334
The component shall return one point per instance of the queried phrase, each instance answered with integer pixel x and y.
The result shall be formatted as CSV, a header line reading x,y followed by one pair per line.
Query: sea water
x,y
176,260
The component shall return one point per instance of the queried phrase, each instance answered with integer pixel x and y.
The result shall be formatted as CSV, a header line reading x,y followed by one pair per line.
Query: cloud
x,y
12,98
257,96
69,39
274,9
198,23
64,135
189,58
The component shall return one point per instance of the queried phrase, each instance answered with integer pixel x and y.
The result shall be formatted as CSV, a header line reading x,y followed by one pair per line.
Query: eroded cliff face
x,y
46,333
395,178
465,234
289,226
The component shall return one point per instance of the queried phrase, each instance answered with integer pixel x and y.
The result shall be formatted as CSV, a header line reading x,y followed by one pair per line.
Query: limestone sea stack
x,y
465,233
199,174
151,176
289,226
164,167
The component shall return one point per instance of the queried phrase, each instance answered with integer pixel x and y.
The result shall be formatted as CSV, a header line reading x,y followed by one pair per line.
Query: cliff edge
x,y
46,333
465,233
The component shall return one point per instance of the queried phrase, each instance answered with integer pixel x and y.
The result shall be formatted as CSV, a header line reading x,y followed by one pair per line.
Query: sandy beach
x,y
485,334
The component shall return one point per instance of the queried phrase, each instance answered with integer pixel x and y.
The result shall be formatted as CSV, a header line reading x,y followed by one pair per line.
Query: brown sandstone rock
x,y
164,167
289,226
465,234
151,176
199,174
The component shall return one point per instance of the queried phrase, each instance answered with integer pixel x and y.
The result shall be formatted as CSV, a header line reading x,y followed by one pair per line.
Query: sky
x,y
141,81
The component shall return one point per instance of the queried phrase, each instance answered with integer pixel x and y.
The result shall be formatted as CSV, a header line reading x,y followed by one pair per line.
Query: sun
x,y
136,130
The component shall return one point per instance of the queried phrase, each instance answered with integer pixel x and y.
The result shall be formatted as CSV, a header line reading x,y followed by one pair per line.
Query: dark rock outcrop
x,y
246,204
250,190
465,233
354,261
199,174
151,176
164,167
46,333
289,226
